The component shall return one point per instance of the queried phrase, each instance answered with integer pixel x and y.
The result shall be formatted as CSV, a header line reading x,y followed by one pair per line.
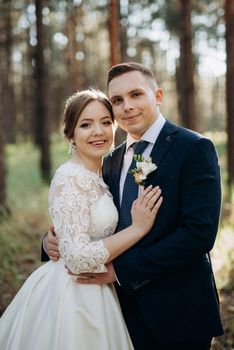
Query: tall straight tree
x,y
229,18
42,131
115,50
124,32
186,68
6,91
73,29
114,30
3,81
2,169
177,15
7,45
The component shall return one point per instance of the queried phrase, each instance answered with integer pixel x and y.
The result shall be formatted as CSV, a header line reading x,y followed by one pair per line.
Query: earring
x,y
71,148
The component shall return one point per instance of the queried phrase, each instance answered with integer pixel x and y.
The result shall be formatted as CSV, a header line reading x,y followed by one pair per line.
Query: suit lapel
x,y
164,141
116,172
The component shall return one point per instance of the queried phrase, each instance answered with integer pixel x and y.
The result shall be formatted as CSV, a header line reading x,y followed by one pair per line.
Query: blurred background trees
x,y
49,49
41,75
229,35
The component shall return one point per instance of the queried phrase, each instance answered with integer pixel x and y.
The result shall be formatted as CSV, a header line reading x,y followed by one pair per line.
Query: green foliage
x,y
25,188
21,232
171,15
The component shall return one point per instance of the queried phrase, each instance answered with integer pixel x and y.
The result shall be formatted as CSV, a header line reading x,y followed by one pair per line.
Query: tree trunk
x,y
3,78
26,117
186,69
42,97
11,118
75,64
9,95
124,33
114,31
5,102
2,169
229,18
117,51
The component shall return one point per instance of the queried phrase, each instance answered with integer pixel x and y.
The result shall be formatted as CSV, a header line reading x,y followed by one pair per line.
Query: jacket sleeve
x,y
44,256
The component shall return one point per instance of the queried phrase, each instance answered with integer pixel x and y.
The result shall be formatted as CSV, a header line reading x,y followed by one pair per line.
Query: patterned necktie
x,y
130,190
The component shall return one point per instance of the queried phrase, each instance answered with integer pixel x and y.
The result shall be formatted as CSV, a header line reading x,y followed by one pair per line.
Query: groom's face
x,y
134,101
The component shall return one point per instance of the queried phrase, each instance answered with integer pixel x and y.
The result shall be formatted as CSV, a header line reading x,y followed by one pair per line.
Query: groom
x,y
165,282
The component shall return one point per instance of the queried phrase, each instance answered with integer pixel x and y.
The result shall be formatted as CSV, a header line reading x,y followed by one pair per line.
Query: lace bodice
x,y
83,212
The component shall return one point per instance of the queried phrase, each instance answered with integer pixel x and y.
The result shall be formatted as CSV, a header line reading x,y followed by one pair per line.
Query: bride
x,y
51,311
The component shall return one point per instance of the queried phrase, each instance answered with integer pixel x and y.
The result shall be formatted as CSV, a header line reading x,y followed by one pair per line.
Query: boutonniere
x,y
144,167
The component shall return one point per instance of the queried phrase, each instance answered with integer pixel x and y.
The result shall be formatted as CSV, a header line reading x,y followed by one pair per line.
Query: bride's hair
x,y
76,103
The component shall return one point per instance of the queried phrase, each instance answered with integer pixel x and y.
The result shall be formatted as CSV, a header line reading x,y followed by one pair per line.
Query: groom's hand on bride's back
x,y
50,244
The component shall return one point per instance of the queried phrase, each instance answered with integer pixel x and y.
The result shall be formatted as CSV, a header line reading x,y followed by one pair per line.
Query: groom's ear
x,y
159,96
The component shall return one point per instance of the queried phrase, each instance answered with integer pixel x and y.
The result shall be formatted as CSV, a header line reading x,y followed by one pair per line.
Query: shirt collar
x,y
150,135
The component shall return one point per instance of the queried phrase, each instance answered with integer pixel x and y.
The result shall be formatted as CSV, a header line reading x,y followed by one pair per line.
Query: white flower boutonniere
x,y
144,167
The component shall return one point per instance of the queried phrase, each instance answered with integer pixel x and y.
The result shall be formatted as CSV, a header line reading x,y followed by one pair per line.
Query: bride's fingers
x,y
146,191
156,207
149,203
149,197
140,199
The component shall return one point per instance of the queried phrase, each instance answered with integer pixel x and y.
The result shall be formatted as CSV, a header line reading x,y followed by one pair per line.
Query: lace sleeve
x,y
70,212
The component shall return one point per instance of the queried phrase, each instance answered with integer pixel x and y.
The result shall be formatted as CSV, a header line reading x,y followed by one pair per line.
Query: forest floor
x,y
226,342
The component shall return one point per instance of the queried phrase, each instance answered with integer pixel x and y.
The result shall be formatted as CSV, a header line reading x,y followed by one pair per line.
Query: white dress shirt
x,y
151,136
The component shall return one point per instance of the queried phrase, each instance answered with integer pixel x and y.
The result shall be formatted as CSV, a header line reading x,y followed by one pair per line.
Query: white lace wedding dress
x,y
53,312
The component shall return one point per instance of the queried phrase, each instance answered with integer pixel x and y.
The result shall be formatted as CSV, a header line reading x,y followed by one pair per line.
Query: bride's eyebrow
x,y
90,119
86,120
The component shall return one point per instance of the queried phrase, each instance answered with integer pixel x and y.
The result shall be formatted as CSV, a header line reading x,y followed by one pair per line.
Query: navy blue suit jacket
x,y
167,291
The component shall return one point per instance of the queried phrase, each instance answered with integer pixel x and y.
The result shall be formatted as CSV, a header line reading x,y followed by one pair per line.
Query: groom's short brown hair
x,y
127,67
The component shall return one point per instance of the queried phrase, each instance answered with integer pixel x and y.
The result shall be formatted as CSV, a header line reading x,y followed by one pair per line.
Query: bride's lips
x,y
98,143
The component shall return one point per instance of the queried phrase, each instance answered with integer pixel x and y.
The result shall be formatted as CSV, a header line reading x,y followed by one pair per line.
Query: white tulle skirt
x,y
53,312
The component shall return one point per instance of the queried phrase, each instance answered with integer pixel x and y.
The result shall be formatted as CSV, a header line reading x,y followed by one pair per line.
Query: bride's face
x,y
93,134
